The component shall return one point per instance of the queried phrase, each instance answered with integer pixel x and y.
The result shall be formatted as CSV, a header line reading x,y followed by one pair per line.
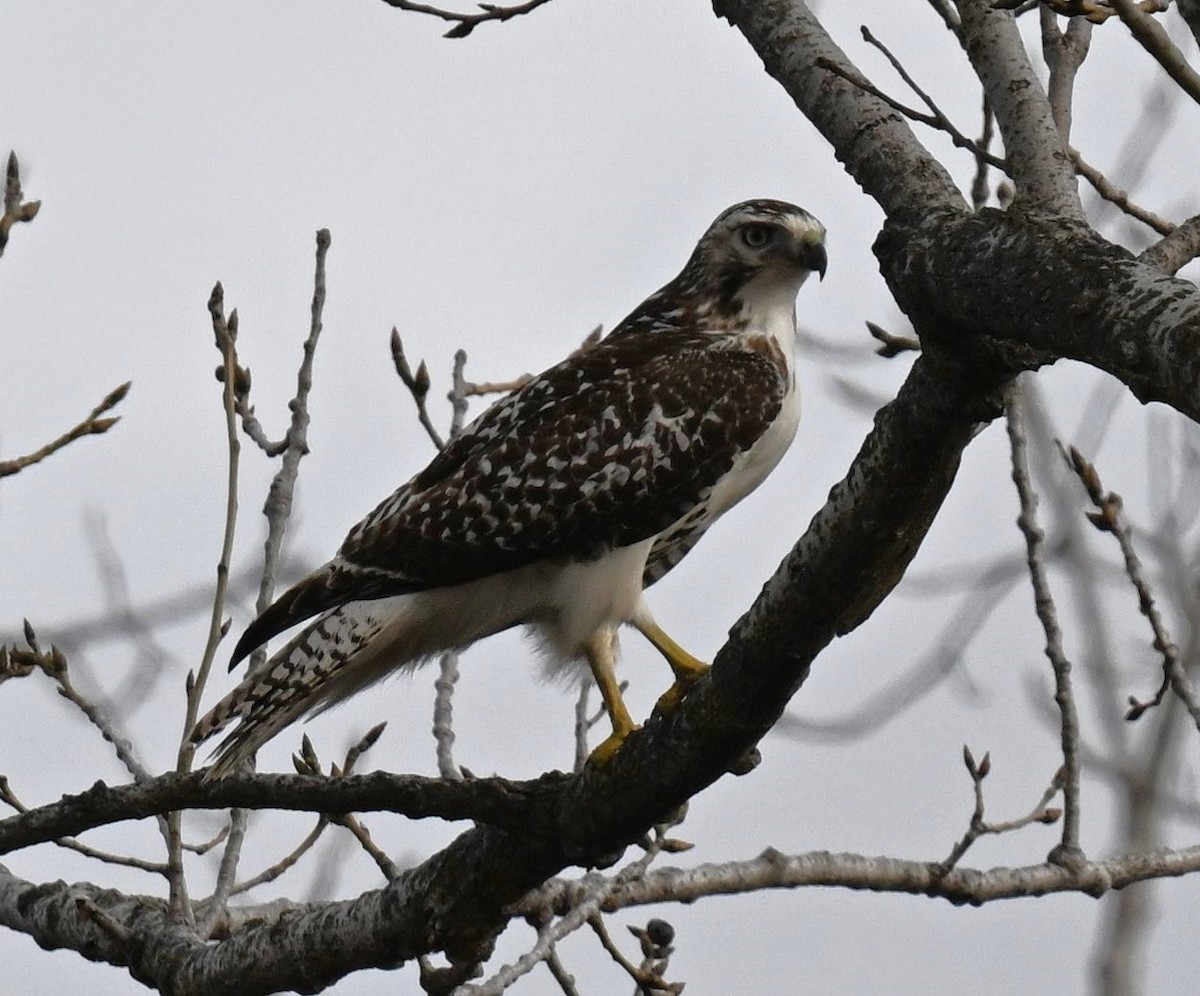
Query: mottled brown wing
x,y
604,450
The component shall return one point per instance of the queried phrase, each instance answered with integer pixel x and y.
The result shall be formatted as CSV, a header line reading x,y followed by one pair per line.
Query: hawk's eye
x,y
756,236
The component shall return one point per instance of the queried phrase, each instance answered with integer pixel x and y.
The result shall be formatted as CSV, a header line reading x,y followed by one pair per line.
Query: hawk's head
x,y
763,242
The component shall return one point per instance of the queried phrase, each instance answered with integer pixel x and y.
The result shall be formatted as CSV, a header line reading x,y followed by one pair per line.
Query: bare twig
x,y
93,425
443,716
1118,197
978,827
936,119
1068,852
278,506
648,983
979,184
225,334
271,873
582,725
9,797
360,833
599,888
15,209
18,663
307,762
566,981
892,344
277,509
205,846
656,940
464,24
458,393
418,386
122,745
1108,519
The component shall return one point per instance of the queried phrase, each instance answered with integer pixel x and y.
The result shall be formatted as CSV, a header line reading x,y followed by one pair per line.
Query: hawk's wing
x,y
608,448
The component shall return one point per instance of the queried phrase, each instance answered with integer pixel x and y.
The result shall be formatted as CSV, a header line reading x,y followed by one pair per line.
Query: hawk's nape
x,y
562,501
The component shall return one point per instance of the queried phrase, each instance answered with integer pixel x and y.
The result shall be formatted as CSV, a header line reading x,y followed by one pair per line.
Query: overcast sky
x,y
505,193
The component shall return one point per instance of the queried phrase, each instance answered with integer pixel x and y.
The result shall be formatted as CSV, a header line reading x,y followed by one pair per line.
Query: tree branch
x,y
871,139
1041,172
464,24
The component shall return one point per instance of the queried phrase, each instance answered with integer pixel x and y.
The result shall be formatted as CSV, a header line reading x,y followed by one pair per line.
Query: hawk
x,y
564,500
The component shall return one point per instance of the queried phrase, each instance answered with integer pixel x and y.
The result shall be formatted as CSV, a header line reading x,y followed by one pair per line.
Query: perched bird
x,y
559,504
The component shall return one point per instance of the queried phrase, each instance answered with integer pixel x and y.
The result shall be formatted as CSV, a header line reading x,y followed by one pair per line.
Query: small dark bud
x,y
660,932
30,636
421,381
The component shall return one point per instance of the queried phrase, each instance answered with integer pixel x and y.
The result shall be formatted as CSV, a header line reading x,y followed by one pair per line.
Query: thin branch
x,y
1108,519
1154,39
8,796
457,394
582,725
418,386
443,716
1118,197
775,870
648,983
1068,852
979,185
278,505
978,827
566,981
656,940
583,912
122,745
92,425
892,344
225,334
205,846
307,763
386,865
934,120
271,873
464,24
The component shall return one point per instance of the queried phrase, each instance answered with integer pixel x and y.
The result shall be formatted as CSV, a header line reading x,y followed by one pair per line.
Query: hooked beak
x,y
810,253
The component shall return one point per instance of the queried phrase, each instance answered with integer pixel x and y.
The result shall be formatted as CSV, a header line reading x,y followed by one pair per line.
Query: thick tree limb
x,y
1042,173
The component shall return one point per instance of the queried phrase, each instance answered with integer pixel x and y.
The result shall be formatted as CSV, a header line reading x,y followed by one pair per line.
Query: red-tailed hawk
x,y
560,503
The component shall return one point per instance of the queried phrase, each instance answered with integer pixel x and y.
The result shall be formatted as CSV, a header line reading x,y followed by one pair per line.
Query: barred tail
x,y
331,658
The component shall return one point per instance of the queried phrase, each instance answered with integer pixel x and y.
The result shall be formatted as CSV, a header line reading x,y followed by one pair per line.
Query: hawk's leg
x,y
688,669
600,659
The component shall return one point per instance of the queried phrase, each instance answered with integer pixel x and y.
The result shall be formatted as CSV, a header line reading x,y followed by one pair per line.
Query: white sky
x,y
504,193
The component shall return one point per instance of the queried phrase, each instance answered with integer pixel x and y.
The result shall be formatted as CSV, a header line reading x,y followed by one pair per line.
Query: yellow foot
x,y
609,746
670,699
